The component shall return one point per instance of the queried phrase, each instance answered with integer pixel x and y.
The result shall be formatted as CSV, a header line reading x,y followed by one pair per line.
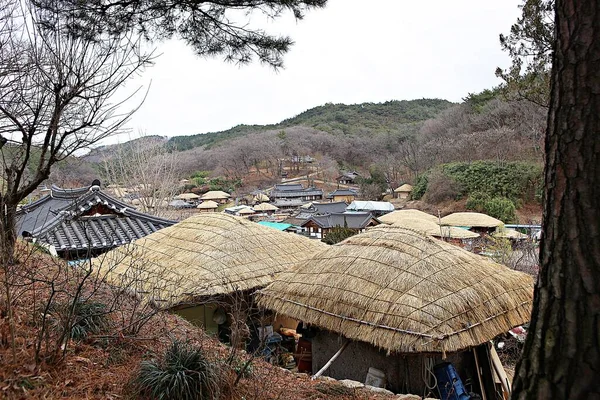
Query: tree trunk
x,y
561,359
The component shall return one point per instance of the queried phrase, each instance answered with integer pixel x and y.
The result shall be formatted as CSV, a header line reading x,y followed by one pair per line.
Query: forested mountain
x,y
355,119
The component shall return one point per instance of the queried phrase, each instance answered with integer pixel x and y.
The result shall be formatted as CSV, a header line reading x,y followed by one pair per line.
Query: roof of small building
x,y
205,255
355,220
510,234
280,226
398,215
431,228
343,192
208,205
403,292
470,219
404,188
62,219
215,195
265,207
187,196
358,205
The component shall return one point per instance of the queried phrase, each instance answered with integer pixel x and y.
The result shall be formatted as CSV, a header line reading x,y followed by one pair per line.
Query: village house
x,y
318,226
295,191
473,221
208,206
348,178
403,192
377,208
345,195
398,305
84,222
217,196
203,266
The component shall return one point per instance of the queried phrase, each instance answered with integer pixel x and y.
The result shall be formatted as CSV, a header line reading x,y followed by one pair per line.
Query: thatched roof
x,y
404,292
246,211
265,207
208,205
205,255
260,198
187,196
471,219
404,188
510,234
398,215
433,229
215,195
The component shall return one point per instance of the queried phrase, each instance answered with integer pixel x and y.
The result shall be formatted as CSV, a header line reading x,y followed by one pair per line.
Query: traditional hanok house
x,y
476,222
265,208
84,222
348,178
246,212
377,208
343,195
403,192
401,302
191,198
399,215
203,266
208,206
295,191
216,195
288,204
318,226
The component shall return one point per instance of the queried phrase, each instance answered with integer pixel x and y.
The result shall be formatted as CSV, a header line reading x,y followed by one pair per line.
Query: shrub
x,y
87,318
441,187
182,373
477,201
501,208
337,234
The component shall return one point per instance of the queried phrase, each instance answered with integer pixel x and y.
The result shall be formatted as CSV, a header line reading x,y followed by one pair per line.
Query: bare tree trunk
x,y
8,239
561,359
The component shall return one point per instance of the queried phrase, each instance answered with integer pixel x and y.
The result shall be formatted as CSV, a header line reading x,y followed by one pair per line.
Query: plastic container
x,y
375,378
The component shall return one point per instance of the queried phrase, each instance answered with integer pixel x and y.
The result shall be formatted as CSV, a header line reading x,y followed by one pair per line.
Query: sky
x,y
353,51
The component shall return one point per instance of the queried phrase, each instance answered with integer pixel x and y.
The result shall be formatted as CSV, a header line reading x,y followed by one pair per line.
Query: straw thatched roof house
x,y
187,196
511,234
260,198
475,221
216,195
449,233
398,215
391,292
403,191
208,206
203,258
265,207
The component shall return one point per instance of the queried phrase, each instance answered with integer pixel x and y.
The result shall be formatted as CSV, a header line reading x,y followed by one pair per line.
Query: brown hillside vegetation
x,y
101,365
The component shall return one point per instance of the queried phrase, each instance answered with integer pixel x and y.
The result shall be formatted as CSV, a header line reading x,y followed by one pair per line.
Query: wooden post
x,y
328,364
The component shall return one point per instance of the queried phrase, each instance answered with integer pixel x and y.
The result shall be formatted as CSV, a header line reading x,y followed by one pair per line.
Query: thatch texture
x,y
398,215
406,188
510,234
404,292
208,205
204,255
265,207
187,196
433,229
215,195
471,219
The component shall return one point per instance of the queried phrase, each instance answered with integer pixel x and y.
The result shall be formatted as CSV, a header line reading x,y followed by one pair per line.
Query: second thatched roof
x,y
433,229
398,215
471,219
404,292
205,255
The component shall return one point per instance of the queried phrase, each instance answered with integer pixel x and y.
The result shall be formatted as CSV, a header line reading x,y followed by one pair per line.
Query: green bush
x,y
476,201
87,318
501,208
183,373
337,234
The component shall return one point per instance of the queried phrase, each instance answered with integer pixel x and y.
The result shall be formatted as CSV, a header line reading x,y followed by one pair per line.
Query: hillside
x,y
355,119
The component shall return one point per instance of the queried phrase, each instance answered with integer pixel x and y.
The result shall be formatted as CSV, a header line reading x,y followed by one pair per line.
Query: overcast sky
x,y
351,52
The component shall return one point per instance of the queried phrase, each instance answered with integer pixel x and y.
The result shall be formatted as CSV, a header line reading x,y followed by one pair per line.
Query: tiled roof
x,y
59,219
351,220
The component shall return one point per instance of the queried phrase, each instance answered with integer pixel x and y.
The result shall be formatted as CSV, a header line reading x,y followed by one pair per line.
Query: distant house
x,y
280,226
208,206
348,178
295,191
403,191
217,196
318,226
377,208
345,195
84,222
